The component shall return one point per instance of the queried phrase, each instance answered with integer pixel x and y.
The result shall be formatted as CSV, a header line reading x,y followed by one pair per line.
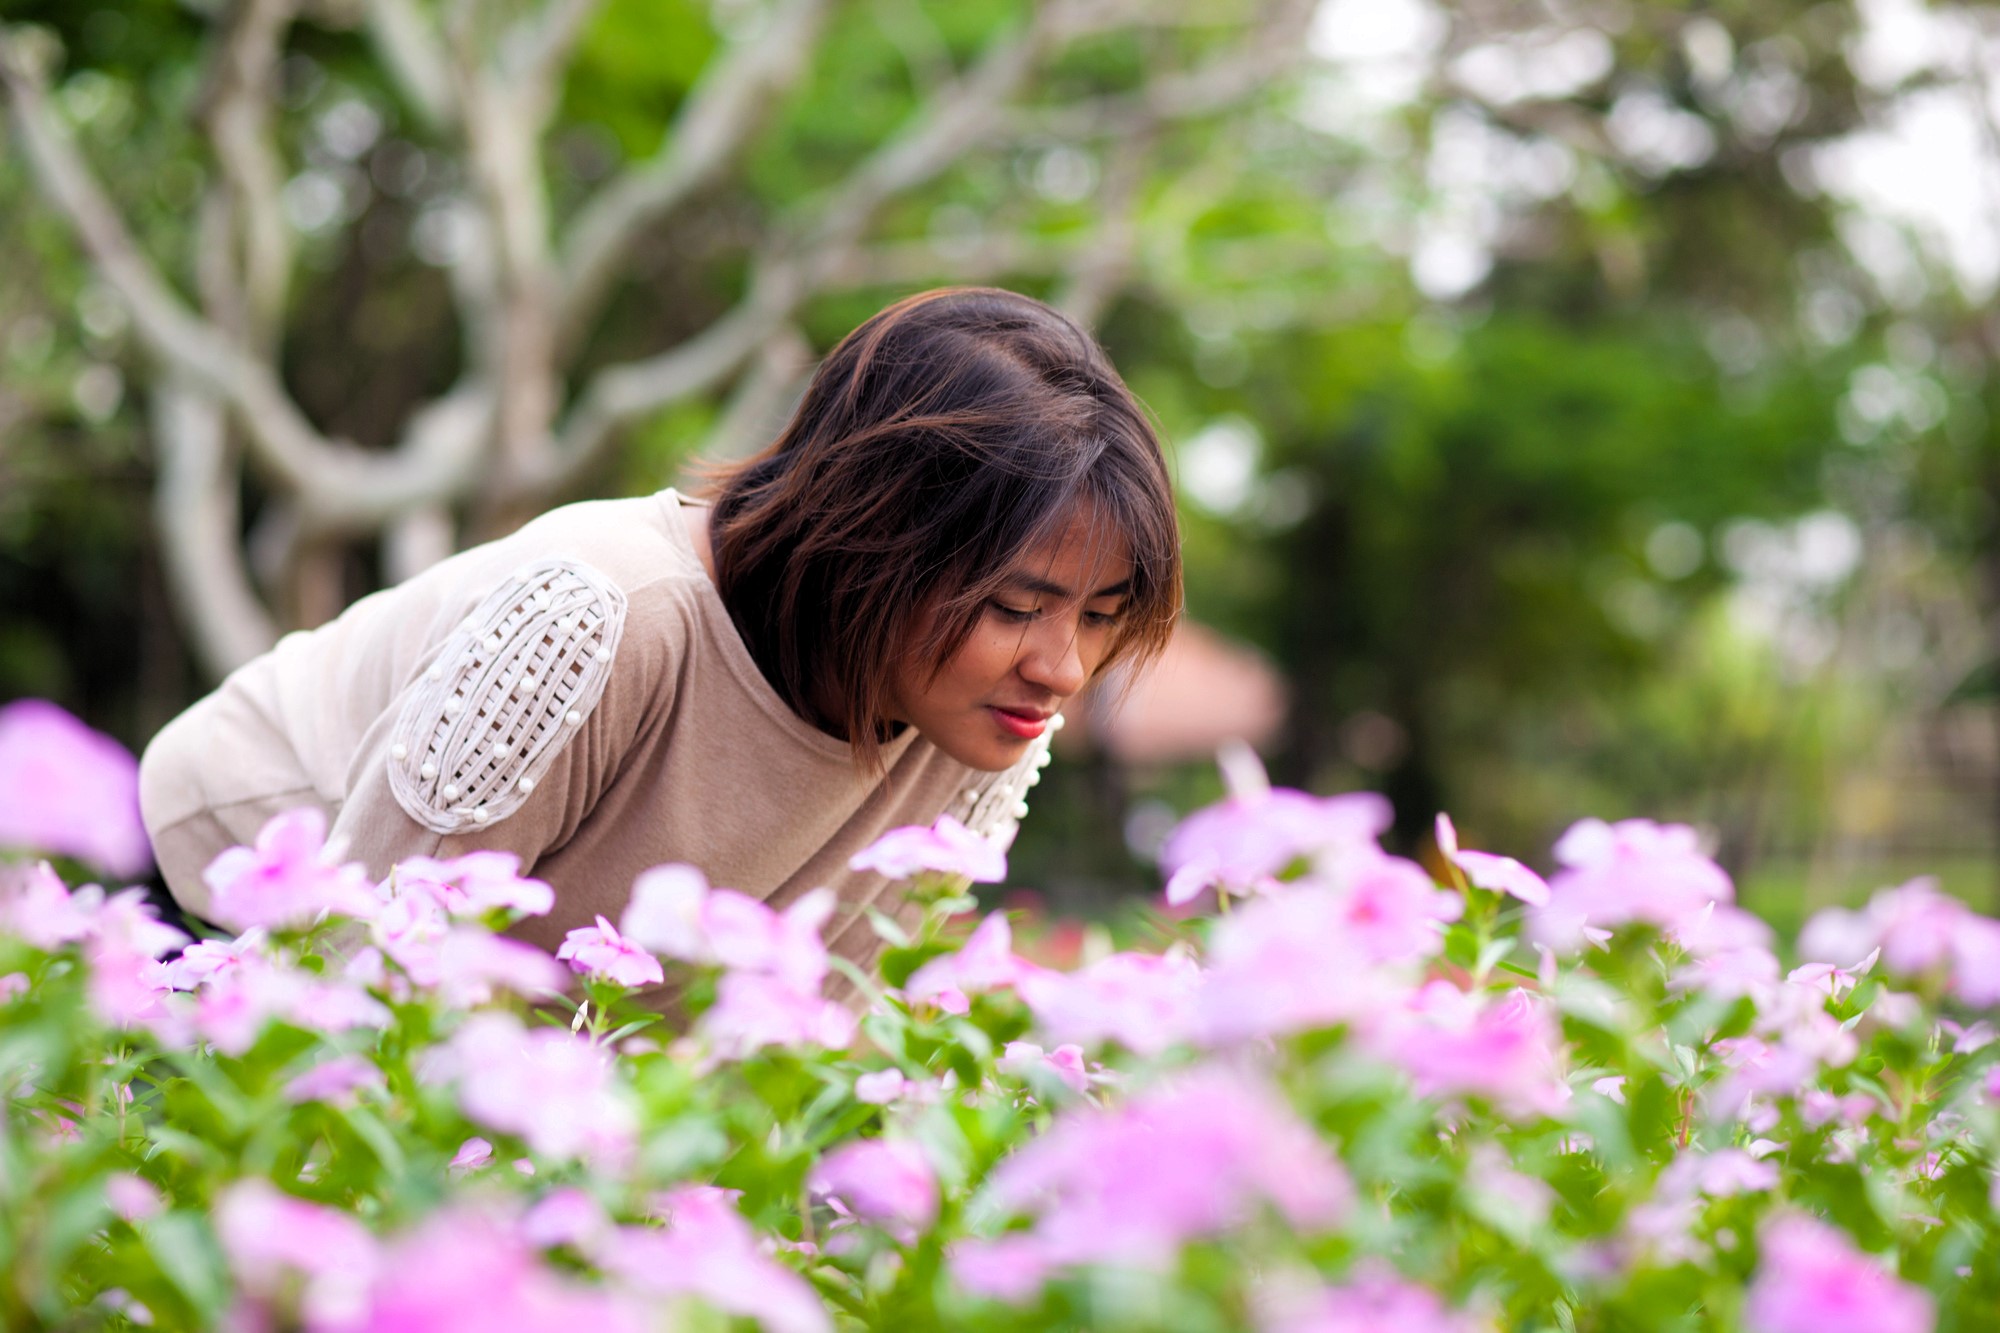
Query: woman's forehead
x,y
1085,555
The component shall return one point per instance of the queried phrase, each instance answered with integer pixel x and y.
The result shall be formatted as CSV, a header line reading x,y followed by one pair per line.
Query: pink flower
x,y
475,884
1918,929
880,1088
472,964
1286,964
1391,908
133,1198
1007,1268
1372,1300
126,923
1501,874
1966,1038
269,1237
1634,870
985,962
1721,928
566,1216
753,1010
887,1181
285,882
123,995
36,906
1505,1049
334,1081
746,935
1813,1280
1241,844
600,951
1145,1002
232,1008
1917,924
69,790
665,913
124,939
1025,1060
471,1155
1188,1159
676,914
1818,1106
1837,935
1511,1200
1731,973
709,1251
205,960
1731,1171
554,1089
469,1271
1975,961
946,848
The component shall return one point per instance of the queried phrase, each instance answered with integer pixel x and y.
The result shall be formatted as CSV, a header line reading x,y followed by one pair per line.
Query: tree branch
x,y
1277,46
194,508
1104,264
242,83
503,131
416,61
617,394
536,51
718,118
338,484
943,129
980,259
787,272
762,400
416,541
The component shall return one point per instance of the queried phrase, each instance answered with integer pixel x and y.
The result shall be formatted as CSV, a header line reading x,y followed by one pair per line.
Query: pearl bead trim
x,y
517,679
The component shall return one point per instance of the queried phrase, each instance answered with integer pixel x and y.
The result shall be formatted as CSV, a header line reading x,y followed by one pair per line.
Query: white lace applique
x,y
505,693
995,807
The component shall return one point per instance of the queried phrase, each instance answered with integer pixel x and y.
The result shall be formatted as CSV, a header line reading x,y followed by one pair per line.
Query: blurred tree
x,y
436,250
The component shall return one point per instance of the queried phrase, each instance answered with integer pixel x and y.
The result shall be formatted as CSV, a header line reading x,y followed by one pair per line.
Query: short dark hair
x,y
941,439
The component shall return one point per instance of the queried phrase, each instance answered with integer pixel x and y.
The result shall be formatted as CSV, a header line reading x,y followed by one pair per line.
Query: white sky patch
x,y
1786,572
1926,164
1928,168
1449,259
1536,65
1924,171
1902,38
1383,50
1219,464
1656,136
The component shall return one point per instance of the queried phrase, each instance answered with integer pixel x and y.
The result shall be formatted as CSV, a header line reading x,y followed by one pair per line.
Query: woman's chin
x,y
987,753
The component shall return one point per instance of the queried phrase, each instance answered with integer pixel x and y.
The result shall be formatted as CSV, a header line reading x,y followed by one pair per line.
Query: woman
x,y
872,624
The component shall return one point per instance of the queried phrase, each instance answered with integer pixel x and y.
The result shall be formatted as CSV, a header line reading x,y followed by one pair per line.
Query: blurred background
x,y
1579,408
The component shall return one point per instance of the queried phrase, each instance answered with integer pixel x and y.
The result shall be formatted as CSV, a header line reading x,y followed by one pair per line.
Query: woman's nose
x,y
1054,660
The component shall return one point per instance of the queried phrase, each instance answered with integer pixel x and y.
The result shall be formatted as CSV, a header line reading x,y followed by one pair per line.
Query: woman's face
x,y
1037,642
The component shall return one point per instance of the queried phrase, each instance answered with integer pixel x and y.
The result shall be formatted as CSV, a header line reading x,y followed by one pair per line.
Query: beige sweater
x,y
574,693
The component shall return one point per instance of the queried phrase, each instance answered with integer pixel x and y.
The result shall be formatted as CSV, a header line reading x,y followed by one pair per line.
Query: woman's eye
x,y
1103,619
1015,614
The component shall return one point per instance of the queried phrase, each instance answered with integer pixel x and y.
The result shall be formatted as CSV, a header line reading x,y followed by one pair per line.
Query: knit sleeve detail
x,y
506,692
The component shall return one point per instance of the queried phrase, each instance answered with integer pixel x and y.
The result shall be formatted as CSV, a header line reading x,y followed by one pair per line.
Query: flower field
x,y
1331,1094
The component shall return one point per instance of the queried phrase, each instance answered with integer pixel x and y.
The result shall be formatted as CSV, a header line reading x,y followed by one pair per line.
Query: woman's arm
x,y
506,735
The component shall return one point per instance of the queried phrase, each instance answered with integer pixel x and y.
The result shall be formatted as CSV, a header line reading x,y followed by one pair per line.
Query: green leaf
x,y
368,1127
886,929
185,1249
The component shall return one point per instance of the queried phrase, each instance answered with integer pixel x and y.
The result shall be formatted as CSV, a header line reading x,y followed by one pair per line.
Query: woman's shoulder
x,y
635,543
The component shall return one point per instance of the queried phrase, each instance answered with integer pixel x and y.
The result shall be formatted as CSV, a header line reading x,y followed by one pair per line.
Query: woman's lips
x,y
1025,725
